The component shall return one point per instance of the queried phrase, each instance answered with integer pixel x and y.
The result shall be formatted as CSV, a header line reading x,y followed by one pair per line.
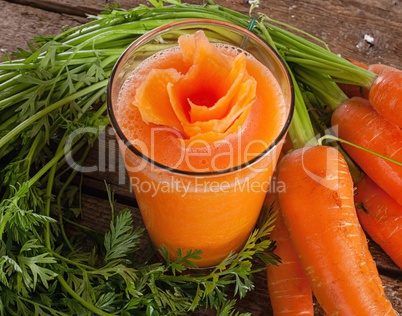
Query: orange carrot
x,y
371,265
352,90
381,69
289,291
358,63
357,122
287,144
386,94
381,218
378,69
318,210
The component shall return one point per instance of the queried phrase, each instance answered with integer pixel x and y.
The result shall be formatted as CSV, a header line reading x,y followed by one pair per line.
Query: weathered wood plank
x,y
343,24
79,9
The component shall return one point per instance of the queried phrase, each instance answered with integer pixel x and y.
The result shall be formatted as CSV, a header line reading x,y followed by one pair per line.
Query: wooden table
x,y
366,30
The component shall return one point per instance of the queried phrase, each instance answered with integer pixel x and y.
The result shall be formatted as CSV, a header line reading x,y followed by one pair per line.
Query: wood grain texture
x,y
343,24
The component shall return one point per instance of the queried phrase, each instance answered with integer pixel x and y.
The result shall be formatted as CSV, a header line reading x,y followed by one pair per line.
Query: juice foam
x,y
164,145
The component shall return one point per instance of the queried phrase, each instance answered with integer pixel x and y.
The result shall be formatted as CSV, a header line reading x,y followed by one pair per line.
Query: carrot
x,y
351,90
386,94
318,210
381,69
288,288
357,63
385,89
378,69
371,265
357,122
381,218
287,144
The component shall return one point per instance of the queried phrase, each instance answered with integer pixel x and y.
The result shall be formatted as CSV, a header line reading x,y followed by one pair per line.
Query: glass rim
x,y
189,22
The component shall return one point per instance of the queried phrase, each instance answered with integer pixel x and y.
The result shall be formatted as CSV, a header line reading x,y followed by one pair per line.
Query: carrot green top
x,y
207,101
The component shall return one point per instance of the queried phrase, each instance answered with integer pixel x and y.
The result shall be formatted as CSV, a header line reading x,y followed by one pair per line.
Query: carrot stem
x,y
301,130
332,137
322,86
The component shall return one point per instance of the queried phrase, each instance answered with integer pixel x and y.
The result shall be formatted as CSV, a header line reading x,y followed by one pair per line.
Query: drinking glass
x,y
209,210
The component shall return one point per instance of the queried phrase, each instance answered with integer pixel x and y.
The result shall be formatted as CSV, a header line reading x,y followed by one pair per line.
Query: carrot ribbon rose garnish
x,y
209,101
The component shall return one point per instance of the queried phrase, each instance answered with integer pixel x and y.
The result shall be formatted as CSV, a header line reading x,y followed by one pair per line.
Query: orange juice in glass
x,y
200,109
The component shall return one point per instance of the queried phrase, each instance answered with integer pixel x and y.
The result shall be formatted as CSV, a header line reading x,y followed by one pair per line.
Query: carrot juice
x,y
200,109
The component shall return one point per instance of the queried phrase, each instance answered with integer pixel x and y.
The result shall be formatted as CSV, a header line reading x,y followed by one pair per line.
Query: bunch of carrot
x,y
332,194
376,119
369,127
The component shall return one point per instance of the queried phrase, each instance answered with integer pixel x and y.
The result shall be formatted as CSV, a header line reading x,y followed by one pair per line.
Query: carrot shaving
x,y
211,100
